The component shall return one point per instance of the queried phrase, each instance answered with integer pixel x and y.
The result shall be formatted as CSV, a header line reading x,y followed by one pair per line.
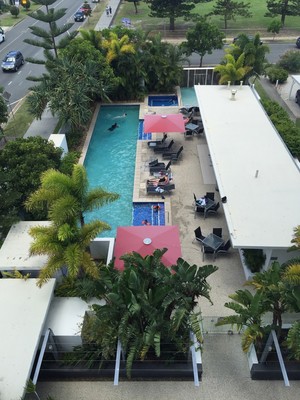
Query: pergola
x,y
253,169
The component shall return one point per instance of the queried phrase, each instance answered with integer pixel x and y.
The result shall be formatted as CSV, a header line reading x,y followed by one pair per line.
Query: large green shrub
x,y
254,259
277,74
290,61
14,10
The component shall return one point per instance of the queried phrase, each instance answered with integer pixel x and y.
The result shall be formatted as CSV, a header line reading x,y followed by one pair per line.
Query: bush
x,y
277,74
14,11
254,259
290,61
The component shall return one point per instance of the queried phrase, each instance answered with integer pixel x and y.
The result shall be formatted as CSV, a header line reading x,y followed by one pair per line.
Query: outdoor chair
x,y
153,163
160,168
160,189
174,156
164,147
210,195
224,248
206,250
154,143
200,210
214,209
217,231
188,134
198,235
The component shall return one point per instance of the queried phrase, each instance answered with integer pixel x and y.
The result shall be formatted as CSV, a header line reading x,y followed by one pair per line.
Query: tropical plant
x,y
290,61
293,340
274,27
254,259
116,47
233,70
277,74
68,197
147,305
249,310
202,39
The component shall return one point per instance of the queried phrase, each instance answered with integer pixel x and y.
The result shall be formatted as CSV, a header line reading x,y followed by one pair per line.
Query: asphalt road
x,y
17,85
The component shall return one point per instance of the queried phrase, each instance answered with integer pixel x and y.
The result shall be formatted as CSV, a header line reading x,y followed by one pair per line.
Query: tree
x,y
202,39
230,9
48,38
172,9
274,27
135,3
23,161
116,47
3,112
68,197
283,8
147,306
233,70
14,10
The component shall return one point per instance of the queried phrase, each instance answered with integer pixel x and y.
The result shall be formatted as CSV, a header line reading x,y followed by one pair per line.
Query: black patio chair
x,y
163,148
198,235
173,155
224,248
217,232
160,167
153,163
206,250
214,209
210,195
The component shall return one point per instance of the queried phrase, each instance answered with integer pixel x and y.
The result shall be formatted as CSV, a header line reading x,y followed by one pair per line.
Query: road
x,y
16,83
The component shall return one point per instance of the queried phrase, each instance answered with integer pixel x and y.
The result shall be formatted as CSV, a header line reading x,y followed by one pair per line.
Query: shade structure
x,y
164,123
144,240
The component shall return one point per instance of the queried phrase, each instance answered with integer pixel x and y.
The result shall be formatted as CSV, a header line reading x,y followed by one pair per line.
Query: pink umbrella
x,y
144,240
164,123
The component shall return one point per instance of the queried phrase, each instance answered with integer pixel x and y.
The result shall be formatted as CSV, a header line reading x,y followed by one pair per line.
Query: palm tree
x,y
66,247
68,197
249,310
233,70
117,47
92,36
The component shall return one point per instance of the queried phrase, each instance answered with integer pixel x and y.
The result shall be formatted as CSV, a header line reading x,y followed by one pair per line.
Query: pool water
x,y
110,164
188,97
154,213
163,101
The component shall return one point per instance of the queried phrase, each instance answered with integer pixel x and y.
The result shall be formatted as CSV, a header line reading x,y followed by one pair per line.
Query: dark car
x,y
298,97
12,61
79,16
298,42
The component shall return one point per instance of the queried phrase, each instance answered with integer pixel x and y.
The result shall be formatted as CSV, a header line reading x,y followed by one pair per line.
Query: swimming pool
x,y
154,213
163,101
188,97
110,163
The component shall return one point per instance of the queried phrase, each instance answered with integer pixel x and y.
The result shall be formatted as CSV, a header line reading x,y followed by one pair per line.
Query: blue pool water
x,y
110,163
150,212
188,97
163,101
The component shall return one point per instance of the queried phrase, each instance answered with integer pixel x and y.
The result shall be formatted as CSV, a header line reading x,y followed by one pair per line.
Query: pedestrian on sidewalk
x,y
107,11
110,11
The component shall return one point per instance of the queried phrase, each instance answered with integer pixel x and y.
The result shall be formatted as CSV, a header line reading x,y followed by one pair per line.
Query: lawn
x,y
257,22
7,19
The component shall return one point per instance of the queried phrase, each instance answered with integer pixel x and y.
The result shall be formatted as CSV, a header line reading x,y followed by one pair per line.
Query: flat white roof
x,y
14,253
253,168
24,309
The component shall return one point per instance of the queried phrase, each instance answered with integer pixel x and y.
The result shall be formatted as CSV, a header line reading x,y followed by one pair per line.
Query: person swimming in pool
x,y
113,127
120,116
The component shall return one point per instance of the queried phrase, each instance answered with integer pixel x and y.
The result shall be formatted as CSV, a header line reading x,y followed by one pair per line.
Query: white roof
x,y
24,309
296,78
253,168
14,253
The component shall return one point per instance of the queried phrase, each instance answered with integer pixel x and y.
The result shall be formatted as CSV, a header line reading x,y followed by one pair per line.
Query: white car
x,y
2,35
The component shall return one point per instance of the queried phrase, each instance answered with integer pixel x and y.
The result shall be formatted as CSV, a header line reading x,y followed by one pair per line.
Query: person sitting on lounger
x,y
113,127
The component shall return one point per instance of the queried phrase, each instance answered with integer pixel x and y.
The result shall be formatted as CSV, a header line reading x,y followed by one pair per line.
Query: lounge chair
x,y
151,189
173,155
160,167
154,143
153,163
164,147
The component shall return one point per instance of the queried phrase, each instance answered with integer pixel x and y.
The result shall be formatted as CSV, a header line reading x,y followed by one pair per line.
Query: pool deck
x,y
225,367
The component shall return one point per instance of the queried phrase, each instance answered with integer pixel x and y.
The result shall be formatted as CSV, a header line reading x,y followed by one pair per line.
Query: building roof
x,y
24,309
253,168
14,253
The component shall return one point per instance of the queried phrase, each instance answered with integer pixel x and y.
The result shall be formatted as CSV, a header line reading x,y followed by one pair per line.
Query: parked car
x,y
2,35
250,37
298,97
12,61
79,16
298,42
86,9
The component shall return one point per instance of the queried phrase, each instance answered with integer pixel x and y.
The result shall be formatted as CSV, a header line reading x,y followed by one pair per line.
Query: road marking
x,y
9,83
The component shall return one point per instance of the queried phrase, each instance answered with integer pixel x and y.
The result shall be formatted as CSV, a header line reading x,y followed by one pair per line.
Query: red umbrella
x,y
164,123
144,240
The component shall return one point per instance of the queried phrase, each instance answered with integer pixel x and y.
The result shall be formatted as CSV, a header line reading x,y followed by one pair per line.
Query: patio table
x,y
191,127
209,203
213,241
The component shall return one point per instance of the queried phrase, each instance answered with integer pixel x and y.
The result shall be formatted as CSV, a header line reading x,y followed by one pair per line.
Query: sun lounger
x,y
154,143
173,156
151,189
160,167
163,148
